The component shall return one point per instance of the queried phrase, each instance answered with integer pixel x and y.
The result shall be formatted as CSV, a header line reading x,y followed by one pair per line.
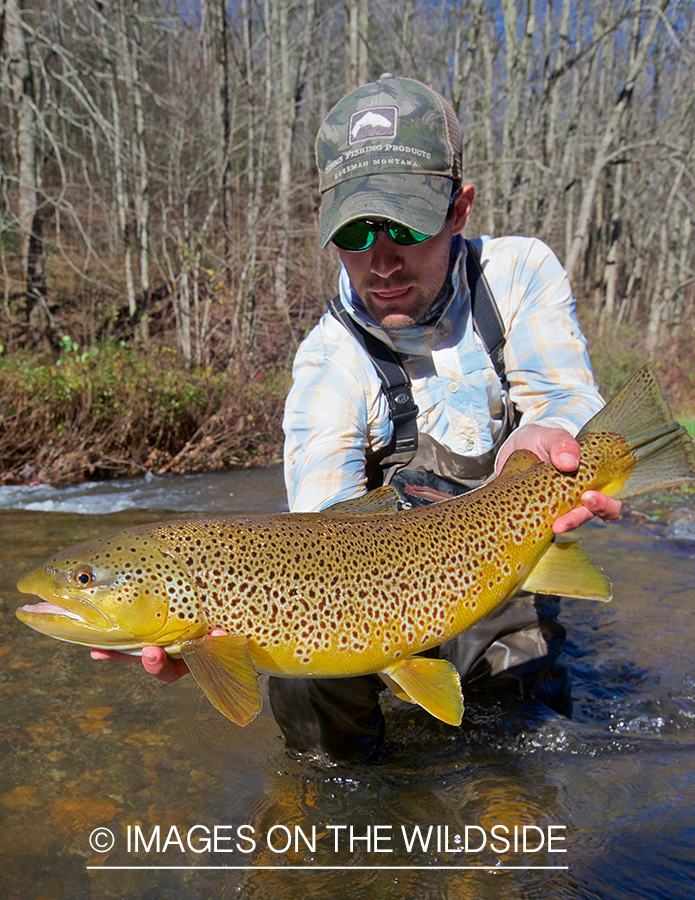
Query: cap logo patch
x,y
379,122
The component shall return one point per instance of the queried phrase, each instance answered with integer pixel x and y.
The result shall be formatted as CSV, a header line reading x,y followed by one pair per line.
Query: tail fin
x,y
663,449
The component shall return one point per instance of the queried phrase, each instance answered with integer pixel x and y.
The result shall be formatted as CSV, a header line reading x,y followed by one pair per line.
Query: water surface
x,y
90,745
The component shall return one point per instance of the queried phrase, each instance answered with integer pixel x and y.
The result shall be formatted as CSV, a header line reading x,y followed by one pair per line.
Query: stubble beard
x,y
429,290
419,305
399,321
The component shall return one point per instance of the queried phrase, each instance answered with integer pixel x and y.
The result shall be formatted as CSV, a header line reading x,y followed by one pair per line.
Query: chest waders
x,y
514,649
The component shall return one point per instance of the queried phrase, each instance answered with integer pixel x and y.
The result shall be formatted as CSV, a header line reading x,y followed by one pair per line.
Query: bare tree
x,y
164,163
358,46
21,82
640,48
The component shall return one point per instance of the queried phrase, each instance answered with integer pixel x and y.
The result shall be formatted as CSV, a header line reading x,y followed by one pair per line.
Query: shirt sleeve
x,y
332,415
548,367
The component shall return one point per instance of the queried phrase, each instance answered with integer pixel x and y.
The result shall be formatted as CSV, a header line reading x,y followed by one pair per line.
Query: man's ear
x,y
462,207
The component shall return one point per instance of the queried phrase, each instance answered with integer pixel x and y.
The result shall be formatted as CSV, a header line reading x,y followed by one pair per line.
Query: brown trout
x,y
363,586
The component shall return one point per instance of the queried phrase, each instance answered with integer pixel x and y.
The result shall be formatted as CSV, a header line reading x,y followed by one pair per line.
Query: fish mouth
x,y
79,621
45,608
76,619
61,616
85,625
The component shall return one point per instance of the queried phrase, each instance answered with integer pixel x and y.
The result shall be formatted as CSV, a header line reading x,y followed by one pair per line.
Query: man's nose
x,y
386,256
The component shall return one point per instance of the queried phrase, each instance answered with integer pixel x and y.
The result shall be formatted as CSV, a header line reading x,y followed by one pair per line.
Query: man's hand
x,y
557,446
155,661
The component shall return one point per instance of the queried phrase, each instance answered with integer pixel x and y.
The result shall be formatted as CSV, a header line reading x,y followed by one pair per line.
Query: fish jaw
x,y
119,593
59,615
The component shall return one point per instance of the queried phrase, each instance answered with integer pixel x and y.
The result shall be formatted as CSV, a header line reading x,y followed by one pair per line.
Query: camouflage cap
x,y
391,148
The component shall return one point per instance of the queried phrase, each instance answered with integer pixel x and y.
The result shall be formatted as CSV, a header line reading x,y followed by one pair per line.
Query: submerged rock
x,y
681,524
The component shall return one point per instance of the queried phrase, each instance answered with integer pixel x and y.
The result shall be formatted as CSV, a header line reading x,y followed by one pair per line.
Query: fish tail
x,y
663,451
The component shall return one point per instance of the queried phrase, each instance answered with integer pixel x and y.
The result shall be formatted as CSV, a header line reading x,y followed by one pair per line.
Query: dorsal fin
x,y
383,501
519,461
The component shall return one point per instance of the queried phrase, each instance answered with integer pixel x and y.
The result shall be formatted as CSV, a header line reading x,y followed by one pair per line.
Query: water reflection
x,y
90,745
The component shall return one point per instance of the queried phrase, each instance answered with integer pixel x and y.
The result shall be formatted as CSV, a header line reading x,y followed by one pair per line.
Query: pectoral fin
x,y
567,570
433,684
222,666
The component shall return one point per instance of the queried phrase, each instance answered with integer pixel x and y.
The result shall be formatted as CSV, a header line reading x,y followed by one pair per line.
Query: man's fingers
x,y
563,452
157,663
601,505
549,444
572,520
163,667
594,504
154,660
96,653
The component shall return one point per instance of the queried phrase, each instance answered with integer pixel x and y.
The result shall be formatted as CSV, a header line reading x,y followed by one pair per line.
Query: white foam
x,y
221,492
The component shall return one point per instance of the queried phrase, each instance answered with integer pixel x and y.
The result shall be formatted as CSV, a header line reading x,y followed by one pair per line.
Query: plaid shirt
x,y
336,411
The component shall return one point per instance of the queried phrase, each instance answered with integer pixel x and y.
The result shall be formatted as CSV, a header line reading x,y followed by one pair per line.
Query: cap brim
x,y
418,201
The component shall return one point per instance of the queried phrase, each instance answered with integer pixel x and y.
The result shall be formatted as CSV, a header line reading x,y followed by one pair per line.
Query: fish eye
x,y
83,577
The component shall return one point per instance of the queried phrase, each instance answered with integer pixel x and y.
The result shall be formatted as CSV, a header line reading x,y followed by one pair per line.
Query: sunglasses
x,y
361,234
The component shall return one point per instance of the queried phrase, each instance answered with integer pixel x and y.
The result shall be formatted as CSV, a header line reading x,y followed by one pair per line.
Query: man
x,y
394,203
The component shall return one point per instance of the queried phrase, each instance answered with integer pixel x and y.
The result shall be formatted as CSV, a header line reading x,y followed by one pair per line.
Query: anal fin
x,y
568,570
433,684
222,666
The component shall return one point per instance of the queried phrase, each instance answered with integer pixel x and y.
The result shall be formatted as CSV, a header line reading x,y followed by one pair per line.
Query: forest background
x,y
159,205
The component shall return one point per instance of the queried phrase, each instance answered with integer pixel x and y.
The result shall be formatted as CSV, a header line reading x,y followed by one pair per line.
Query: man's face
x,y
397,284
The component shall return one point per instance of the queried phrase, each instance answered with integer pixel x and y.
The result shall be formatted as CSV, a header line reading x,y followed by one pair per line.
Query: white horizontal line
x,y
490,868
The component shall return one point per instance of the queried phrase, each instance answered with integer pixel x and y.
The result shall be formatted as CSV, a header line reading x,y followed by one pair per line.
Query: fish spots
x,y
313,584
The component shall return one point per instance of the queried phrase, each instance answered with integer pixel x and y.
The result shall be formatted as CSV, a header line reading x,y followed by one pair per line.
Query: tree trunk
x,y
119,153
612,264
358,49
33,281
141,197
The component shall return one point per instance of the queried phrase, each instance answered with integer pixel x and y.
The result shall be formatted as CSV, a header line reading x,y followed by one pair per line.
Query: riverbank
x,y
120,410
116,411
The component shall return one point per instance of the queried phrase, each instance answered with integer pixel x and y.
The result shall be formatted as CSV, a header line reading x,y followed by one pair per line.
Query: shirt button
x,y
453,387
469,444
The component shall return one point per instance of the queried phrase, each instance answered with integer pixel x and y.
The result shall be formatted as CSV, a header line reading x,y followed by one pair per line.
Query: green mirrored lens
x,y
361,234
357,235
403,235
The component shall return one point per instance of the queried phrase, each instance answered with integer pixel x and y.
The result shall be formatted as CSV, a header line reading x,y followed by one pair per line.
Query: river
x,y
115,786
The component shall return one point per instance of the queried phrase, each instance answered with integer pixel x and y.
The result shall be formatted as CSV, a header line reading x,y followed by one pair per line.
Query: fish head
x,y
122,592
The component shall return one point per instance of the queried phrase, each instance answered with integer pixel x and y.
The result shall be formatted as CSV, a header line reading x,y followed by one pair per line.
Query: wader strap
x,y
486,316
395,381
